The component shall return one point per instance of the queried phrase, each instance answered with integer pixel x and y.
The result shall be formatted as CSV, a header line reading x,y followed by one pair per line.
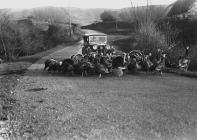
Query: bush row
x,y
26,38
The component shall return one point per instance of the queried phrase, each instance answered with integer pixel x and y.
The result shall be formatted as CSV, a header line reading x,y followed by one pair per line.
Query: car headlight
x,y
95,47
107,47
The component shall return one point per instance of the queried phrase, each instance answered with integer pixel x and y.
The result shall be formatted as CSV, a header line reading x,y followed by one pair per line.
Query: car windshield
x,y
98,39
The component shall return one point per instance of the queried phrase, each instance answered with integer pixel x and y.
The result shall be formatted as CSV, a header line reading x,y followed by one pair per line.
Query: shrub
x,y
149,38
31,41
107,16
9,36
60,34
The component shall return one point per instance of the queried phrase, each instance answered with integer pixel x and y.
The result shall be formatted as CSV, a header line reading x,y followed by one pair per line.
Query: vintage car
x,y
96,42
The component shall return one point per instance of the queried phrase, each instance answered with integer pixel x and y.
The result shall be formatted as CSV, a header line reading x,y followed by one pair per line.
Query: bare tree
x,y
8,36
4,21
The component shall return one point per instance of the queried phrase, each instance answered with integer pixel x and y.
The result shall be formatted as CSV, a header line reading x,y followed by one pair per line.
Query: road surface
x,y
140,106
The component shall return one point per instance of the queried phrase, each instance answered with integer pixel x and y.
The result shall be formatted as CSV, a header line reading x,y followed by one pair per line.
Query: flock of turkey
x,y
117,64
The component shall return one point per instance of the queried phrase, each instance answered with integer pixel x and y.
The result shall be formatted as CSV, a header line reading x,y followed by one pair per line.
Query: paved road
x,y
142,106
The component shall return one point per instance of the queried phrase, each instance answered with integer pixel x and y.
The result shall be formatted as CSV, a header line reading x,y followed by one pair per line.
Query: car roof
x,y
95,34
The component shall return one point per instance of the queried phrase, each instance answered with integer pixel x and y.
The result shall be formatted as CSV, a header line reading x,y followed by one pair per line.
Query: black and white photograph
x,y
98,69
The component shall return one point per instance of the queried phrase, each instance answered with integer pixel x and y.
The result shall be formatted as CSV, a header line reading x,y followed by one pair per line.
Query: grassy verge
x,y
188,74
10,74
191,74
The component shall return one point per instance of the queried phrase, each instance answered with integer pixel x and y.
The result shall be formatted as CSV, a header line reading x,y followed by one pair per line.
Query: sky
x,y
114,4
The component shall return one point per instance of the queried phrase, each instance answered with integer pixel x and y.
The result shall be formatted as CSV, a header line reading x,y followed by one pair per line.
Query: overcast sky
x,y
79,3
